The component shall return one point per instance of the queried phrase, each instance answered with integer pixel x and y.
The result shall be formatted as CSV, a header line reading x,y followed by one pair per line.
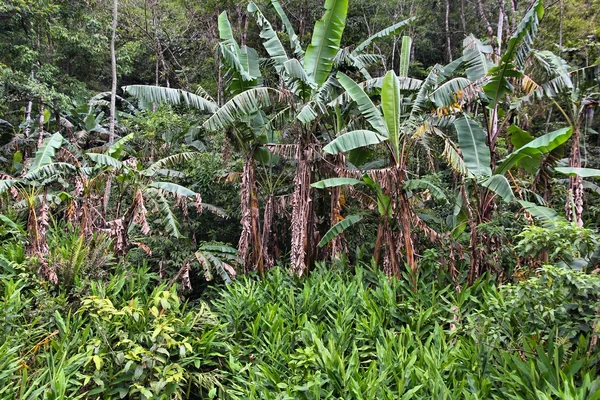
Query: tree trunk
x,y
574,202
448,45
486,23
113,91
301,213
249,246
41,124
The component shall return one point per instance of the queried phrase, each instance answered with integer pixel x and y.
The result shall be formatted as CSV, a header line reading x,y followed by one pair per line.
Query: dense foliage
x,y
264,199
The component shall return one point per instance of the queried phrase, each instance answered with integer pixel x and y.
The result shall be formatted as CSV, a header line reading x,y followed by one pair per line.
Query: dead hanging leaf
x,y
198,203
246,221
119,234
140,212
144,247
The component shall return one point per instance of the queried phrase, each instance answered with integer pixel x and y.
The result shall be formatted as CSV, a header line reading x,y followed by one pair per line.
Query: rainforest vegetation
x,y
313,199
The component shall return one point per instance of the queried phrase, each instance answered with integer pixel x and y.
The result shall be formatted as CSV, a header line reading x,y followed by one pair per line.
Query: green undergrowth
x,y
339,333
361,335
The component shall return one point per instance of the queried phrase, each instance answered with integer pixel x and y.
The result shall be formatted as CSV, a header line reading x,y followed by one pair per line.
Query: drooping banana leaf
x,y
334,182
339,228
472,142
271,42
294,40
499,185
583,172
45,154
541,145
389,31
173,188
162,95
353,140
364,103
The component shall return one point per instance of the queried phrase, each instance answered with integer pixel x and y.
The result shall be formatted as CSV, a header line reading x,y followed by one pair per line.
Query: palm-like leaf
x,y
365,104
353,140
541,145
389,31
339,228
326,39
472,142
47,151
335,182
238,108
172,188
163,95
294,40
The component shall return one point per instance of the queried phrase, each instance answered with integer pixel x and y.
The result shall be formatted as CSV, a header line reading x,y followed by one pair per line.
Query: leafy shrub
x,y
557,301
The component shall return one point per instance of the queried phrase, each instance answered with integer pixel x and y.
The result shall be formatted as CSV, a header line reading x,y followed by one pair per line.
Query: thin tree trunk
x,y
560,28
463,21
28,118
113,91
448,44
41,124
113,99
574,202
301,213
486,23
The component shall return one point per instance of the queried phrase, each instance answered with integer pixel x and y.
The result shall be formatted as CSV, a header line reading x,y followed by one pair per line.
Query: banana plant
x,y
575,94
308,77
140,187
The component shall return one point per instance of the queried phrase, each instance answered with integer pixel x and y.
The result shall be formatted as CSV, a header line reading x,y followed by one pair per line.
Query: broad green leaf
x,y
541,145
105,160
173,188
45,154
6,184
353,140
364,103
545,215
390,104
241,106
389,31
271,42
446,94
472,142
499,185
476,57
424,184
583,172
339,228
163,95
168,217
226,33
513,59
325,43
404,56
294,40
334,182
